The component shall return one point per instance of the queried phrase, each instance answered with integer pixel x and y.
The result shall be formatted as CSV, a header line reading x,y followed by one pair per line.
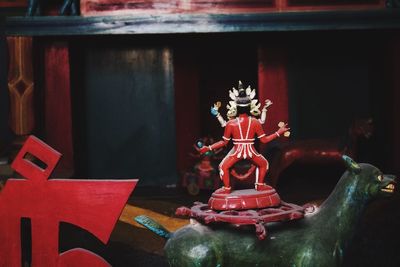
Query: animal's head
x,y
371,181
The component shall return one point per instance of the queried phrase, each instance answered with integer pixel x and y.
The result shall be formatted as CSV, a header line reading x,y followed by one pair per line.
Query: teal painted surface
x,y
153,226
124,113
320,239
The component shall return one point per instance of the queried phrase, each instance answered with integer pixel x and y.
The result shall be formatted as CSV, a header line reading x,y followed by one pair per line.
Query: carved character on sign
x,y
47,202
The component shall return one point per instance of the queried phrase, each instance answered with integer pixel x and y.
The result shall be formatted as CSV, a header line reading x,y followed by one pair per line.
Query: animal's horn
x,y
351,165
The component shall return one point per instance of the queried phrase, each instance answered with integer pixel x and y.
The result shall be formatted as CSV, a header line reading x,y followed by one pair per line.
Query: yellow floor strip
x,y
170,223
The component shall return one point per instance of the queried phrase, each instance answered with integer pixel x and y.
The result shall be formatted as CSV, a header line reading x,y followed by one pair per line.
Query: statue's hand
x,y
204,149
267,104
214,109
283,129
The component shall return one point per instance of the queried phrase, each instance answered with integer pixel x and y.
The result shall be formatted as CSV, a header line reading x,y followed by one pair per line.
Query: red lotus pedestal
x,y
257,217
246,207
244,200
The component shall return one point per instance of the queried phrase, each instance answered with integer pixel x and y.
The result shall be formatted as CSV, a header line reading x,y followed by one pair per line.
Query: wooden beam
x,y
204,23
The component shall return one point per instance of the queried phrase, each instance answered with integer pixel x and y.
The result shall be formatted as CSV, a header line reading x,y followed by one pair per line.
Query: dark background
x,y
333,77
123,97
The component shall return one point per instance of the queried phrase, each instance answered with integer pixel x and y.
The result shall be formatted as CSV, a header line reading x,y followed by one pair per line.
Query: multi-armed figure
x,y
242,128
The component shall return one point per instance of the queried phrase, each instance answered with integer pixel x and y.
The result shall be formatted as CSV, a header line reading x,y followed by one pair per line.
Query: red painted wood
x,y
79,257
120,7
13,3
58,114
257,217
244,199
187,107
311,5
94,205
39,149
333,7
272,84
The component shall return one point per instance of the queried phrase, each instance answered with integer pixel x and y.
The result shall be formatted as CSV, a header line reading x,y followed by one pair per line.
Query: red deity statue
x,y
242,128
256,206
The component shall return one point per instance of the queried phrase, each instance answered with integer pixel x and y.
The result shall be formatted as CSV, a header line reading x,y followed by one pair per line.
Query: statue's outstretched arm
x,y
214,112
264,111
225,140
283,129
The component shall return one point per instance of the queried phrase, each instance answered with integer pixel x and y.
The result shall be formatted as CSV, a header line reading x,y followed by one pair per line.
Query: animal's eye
x,y
380,178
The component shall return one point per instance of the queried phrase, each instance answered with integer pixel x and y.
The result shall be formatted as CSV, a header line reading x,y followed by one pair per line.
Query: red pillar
x,y
187,108
273,85
58,115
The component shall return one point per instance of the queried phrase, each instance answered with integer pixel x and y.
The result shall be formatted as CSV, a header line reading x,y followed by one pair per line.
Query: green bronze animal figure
x,y
320,239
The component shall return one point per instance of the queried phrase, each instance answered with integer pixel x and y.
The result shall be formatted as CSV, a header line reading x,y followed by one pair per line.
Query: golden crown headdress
x,y
243,97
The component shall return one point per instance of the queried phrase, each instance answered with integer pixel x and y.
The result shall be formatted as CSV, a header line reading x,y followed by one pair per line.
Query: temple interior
x,y
131,100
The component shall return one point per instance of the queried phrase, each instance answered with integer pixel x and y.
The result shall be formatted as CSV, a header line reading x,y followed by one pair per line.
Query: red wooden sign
x,y
94,205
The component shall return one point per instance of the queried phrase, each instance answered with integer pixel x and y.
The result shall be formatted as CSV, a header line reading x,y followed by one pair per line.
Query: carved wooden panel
x,y
118,7
121,7
331,2
21,85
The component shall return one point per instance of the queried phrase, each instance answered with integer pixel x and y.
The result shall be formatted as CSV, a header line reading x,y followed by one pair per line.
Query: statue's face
x,y
232,113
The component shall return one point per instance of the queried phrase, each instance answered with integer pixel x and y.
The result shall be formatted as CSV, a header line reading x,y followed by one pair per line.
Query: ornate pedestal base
x,y
259,218
244,199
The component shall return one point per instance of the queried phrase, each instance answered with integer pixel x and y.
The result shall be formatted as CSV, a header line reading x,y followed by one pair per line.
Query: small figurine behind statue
x,y
204,174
